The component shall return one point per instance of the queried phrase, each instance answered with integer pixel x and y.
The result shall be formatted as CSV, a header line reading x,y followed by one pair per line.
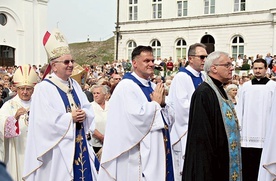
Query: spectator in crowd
x,y
117,78
182,87
100,107
42,71
213,142
1,91
253,109
268,58
136,144
60,118
14,116
232,90
170,64
239,62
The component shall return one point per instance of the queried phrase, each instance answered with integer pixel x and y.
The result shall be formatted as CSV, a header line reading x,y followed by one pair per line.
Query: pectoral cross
x,y
233,145
229,114
235,176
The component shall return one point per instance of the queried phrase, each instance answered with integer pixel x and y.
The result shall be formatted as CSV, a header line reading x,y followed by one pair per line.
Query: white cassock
x,y
253,109
179,99
267,170
13,147
133,147
51,134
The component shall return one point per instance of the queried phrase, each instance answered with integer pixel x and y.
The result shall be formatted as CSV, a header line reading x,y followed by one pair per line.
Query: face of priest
x,y
223,68
143,64
63,66
259,70
197,61
25,92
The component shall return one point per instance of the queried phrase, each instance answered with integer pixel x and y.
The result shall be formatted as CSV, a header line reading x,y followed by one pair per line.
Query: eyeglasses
x,y
28,89
117,79
202,57
65,62
227,65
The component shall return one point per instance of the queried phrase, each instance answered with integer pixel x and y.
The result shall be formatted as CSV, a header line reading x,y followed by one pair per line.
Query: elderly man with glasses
x,y
60,117
14,116
213,149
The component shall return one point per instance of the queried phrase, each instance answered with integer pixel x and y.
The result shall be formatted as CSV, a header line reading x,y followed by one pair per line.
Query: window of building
x,y
131,45
133,9
3,19
237,47
209,6
239,5
156,9
156,47
181,49
182,8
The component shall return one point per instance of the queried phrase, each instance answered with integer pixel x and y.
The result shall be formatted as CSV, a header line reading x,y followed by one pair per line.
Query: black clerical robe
x,y
207,155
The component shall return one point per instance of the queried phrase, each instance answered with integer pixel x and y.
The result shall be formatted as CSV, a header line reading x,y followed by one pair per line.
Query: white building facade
x,y
245,27
22,26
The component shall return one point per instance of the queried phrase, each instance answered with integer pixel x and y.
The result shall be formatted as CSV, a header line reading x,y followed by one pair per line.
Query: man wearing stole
x,y
213,150
14,120
137,141
60,117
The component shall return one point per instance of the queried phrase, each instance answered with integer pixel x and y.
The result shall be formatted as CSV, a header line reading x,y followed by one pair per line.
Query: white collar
x,y
193,71
143,81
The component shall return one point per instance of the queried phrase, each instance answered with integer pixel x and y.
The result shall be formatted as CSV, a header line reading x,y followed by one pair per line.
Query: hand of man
x,y
19,113
158,94
78,115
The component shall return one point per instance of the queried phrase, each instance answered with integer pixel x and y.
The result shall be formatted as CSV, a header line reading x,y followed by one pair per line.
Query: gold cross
x,y
233,145
59,37
229,114
235,176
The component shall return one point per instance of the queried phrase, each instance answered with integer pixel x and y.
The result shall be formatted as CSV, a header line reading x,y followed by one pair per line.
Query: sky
x,y
78,19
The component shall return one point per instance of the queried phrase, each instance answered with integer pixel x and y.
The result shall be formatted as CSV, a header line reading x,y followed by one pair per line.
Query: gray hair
x,y
213,57
230,87
105,88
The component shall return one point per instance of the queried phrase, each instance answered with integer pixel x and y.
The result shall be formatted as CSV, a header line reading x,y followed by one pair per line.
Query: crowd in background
x,y
101,81
111,73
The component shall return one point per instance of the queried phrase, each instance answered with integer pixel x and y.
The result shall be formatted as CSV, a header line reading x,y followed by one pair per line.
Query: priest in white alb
x,y
14,120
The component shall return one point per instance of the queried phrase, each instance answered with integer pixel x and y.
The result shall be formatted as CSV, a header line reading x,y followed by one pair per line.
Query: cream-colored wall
x,y
256,25
26,25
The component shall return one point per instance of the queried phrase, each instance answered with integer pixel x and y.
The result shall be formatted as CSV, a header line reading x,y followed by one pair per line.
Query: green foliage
x,y
98,52
245,67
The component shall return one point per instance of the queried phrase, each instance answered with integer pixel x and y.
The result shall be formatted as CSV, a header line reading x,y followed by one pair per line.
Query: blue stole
x,y
233,134
196,80
81,164
166,134
231,125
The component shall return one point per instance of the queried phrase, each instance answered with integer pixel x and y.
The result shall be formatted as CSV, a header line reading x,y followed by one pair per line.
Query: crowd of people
x,y
203,118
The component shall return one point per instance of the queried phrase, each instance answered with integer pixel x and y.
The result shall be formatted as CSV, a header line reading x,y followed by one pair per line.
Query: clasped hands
x,y
78,115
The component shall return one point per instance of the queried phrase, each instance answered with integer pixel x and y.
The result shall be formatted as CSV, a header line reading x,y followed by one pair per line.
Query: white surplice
x,y
179,99
51,135
253,109
267,169
133,146
13,148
